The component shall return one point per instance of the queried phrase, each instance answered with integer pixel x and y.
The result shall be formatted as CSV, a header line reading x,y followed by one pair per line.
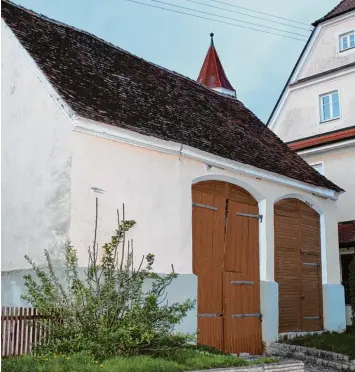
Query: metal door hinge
x,y
258,216
311,317
242,282
254,315
207,315
204,206
310,263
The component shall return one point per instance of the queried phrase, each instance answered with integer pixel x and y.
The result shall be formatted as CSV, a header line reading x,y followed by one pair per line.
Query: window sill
x,y
327,121
345,50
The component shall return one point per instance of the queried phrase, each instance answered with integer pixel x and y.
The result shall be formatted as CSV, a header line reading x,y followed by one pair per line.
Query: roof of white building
x,y
104,83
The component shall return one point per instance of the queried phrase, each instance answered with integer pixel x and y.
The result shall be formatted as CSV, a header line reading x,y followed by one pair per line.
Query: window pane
x,y
325,100
345,42
326,112
335,103
352,40
335,97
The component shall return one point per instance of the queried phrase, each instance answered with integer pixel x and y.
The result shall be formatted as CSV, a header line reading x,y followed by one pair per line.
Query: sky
x,y
256,63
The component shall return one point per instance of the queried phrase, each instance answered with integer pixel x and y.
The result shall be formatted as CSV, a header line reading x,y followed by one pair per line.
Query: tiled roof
x,y
346,232
343,7
212,73
107,84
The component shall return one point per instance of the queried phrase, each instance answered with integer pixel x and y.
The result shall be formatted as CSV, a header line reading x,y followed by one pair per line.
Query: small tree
x,y
105,310
352,288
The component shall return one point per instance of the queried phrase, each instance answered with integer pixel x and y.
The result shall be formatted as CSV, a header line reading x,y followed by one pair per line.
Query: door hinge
x,y
258,216
254,315
209,315
242,282
204,206
310,263
311,317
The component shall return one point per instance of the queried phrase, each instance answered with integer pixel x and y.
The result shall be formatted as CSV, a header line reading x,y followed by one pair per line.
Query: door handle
x,y
303,296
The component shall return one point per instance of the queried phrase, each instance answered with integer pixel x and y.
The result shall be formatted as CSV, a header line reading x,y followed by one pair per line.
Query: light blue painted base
x,y
334,307
269,307
182,288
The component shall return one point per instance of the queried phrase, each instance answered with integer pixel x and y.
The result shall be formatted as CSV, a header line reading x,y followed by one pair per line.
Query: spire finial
x,y
211,34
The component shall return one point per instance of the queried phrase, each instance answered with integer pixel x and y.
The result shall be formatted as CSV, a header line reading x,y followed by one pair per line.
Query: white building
x,y
315,114
83,119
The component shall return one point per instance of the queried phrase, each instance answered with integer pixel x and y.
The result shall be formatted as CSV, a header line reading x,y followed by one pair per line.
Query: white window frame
x,y
341,37
321,113
321,163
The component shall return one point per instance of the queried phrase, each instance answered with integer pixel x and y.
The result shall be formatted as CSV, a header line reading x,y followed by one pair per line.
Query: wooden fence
x,y
19,330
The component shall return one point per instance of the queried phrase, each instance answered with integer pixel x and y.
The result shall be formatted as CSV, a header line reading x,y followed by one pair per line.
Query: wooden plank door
x,y
242,318
208,219
298,266
311,270
287,264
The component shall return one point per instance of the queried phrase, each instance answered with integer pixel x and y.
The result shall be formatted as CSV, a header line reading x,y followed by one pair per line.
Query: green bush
x,y
107,312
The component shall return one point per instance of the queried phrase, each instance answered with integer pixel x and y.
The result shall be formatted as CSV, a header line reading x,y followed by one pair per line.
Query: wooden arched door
x,y
298,268
226,262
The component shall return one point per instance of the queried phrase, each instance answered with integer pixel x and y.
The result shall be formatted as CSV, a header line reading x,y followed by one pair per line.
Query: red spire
x,y
212,74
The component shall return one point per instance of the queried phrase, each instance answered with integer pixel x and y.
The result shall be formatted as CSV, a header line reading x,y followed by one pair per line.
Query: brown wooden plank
x,y
242,261
229,191
287,264
5,330
297,237
210,332
2,330
15,330
11,333
24,331
20,327
29,330
33,329
220,244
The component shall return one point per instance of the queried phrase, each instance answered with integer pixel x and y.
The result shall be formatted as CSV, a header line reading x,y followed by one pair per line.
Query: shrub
x,y
107,312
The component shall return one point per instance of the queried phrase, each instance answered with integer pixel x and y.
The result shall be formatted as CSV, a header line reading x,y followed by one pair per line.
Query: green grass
x,y
343,343
183,360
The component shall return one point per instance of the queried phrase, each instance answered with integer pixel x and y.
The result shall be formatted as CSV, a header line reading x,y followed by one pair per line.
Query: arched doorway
x,y
298,268
226,261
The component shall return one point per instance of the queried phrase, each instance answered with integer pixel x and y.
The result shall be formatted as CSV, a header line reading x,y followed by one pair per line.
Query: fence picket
x,y
21,330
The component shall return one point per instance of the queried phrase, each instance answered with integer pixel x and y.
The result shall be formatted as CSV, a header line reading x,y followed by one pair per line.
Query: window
x,y
329,106
318,167
347,41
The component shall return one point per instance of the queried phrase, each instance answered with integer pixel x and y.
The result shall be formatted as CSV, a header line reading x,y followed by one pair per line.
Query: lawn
x,y
343,343
183,360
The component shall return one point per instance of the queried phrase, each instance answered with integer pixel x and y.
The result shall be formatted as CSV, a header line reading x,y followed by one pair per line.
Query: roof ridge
x,y
333,13
63,24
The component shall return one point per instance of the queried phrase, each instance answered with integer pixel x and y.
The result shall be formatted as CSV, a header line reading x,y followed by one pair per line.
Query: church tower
x,y
212,73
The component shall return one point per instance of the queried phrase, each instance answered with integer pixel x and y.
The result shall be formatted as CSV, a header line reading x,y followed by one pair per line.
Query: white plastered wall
x,y
325,54
156,190
338,166
36,160
300,114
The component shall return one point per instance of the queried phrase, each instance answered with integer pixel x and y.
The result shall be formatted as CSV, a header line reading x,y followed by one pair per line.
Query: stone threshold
x,y
289,366
312,356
